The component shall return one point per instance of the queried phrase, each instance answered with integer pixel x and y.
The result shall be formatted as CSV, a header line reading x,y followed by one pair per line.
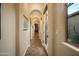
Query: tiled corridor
x,y
36,48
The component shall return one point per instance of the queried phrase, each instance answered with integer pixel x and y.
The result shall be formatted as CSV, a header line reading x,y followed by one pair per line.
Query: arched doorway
x,y
36,27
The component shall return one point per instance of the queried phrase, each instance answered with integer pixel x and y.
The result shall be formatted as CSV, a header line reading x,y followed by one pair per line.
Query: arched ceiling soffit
x,y
35,20
35,13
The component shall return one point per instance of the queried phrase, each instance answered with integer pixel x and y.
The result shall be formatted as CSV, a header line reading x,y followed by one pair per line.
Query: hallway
x,y
36,48
39,29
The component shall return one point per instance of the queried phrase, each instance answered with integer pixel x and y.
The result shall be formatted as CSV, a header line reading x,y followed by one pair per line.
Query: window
x,y
73,23
72,8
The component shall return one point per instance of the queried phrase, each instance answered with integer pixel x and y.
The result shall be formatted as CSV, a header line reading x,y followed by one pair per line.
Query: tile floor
x,y
36,48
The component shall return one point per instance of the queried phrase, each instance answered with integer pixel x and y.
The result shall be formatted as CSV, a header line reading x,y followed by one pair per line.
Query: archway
x,y
36,28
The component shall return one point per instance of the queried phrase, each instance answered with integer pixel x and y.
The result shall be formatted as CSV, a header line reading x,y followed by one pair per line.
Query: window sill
x,y
71,46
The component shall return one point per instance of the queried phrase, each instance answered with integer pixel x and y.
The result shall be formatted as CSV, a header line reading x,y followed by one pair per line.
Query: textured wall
x,y
24,35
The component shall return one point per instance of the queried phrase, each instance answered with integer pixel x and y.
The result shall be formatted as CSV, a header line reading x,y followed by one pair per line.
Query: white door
x,y
7,42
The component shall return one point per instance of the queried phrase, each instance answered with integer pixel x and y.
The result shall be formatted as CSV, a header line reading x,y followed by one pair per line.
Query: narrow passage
x,y
36,48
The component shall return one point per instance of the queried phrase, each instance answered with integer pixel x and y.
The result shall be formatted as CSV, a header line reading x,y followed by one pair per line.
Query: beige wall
x,y
51,19
24,35
56,16
7,42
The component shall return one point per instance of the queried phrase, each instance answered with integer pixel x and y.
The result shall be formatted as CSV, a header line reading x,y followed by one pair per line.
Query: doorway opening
x,y
36,28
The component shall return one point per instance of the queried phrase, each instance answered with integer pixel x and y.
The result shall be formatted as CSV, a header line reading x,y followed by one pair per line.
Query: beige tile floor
x,y
36,48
